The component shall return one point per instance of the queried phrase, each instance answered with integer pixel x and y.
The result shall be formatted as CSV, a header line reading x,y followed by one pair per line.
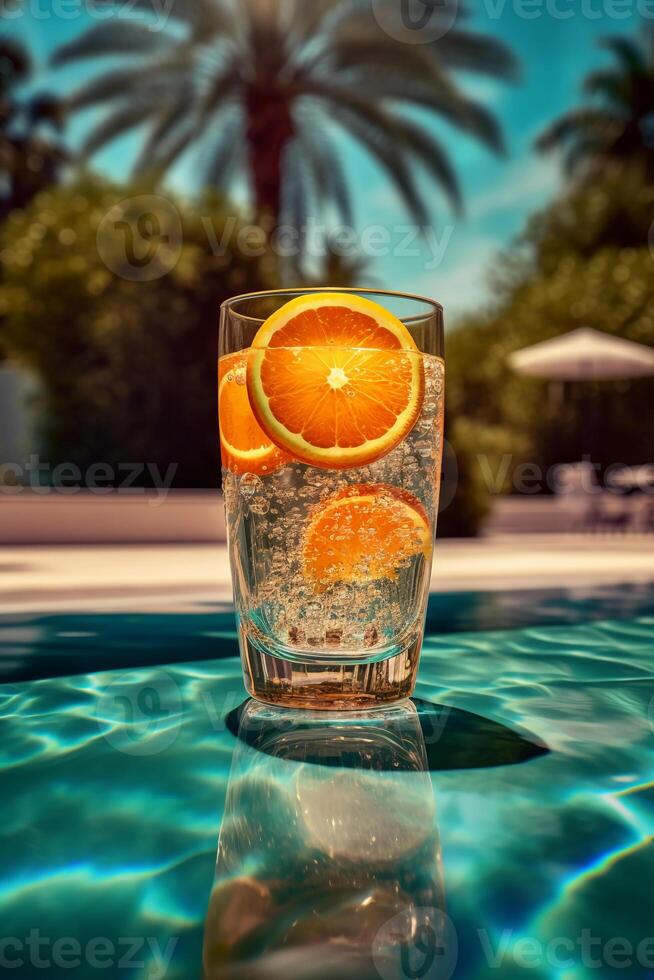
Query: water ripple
x,y
114,784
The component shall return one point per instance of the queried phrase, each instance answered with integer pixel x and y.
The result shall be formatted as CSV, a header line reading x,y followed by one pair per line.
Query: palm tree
x,y
30,159
618,123
256,85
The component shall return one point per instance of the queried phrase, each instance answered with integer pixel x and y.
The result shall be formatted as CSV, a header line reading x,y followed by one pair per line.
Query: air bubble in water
x,y
250,484
371,635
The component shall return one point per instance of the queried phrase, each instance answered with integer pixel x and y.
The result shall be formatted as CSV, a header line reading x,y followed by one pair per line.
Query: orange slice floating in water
x,y
335,380
363,533
244,446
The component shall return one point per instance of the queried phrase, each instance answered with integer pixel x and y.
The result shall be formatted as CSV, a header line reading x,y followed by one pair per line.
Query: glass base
x,y
325,685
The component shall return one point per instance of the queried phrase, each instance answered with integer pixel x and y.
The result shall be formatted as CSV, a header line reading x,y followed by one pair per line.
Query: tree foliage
x,y
616,125
31,153
585,261
128,368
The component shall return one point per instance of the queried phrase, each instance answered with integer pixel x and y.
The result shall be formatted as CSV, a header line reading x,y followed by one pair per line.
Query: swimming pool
x,y
114,784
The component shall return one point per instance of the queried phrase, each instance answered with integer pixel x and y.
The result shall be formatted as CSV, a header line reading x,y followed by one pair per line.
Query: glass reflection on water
x,y
328,861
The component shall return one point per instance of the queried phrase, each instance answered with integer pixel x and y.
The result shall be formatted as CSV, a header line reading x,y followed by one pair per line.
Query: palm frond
x,y
468,51
164,128
225,153
583,153
375,54
295,194
573,124
45,108
154,80
325,166
123,37
403,135
627,51
166,156
225,84
613,127
480,122
431,155
206,15
359,20
15,60
456,48
445,98
209,18
118,122
380,145
610,85
307,19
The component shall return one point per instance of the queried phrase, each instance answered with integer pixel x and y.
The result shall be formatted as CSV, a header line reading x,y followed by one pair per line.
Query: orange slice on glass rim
x,y
363,533
244,446
335,380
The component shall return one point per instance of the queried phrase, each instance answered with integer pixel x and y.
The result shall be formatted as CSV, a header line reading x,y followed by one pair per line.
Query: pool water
x,y
118,737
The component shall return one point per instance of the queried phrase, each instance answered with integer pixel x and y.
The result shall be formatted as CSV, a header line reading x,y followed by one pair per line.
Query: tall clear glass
x,y
331,549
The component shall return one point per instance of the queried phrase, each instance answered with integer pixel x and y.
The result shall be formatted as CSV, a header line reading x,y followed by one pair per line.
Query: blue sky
x,y
556,44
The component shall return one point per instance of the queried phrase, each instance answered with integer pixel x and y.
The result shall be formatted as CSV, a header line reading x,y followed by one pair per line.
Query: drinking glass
x,y
331,564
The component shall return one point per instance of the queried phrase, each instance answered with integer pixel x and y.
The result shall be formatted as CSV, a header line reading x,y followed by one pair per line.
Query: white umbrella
x,y
584,355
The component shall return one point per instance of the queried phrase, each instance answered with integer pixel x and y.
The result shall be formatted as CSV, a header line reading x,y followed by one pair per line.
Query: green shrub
x,y
125,349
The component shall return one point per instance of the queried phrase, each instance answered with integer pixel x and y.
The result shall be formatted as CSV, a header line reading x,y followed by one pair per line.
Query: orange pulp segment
x,y
363,533
244,447
334,380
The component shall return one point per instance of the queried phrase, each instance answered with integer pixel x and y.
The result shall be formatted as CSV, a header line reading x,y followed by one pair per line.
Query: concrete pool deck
x,y
66,577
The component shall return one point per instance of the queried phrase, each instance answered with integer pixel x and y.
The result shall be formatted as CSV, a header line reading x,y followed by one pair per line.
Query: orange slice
x,y
244,447
363,533
338,319
335,380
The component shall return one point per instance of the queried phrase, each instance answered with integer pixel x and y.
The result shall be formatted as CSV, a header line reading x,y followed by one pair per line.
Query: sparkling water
x,y
268,516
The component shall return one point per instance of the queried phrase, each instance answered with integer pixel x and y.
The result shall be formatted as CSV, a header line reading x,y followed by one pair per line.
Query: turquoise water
x,y
114,785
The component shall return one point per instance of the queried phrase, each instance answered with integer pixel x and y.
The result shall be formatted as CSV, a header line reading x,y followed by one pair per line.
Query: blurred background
x,y
158,156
